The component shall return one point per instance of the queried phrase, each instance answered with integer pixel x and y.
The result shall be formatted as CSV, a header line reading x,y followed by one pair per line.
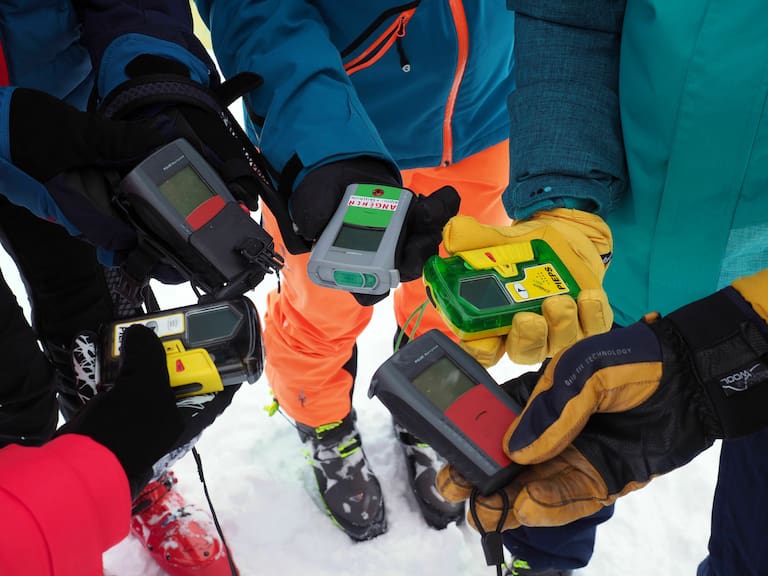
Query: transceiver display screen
x,y
443,383
358,238
185,190
483,292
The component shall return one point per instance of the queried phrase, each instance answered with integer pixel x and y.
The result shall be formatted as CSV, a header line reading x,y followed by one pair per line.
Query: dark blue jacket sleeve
x,y
566,147
117,31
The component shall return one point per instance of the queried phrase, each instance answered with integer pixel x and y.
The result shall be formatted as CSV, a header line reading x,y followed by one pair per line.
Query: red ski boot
x,y
181,537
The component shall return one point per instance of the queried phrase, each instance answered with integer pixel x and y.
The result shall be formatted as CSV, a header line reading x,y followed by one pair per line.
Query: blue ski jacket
x,y
691,79
418,83
68,48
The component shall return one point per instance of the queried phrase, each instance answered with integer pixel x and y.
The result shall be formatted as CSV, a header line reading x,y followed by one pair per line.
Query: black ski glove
x,y
137,419
70,153
616,410
161,89
49,137
316,198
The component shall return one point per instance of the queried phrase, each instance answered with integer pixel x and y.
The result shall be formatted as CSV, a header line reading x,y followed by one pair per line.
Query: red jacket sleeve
x,y
61,506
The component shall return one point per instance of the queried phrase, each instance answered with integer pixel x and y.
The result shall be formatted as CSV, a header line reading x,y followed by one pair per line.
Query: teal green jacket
x,y
693,88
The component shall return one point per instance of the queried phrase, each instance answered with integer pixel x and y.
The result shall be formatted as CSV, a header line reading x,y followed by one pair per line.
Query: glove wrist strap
x,y
728,347
172,89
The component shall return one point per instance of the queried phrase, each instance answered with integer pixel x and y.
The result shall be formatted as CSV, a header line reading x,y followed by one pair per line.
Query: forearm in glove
x,y
51,142
616,410
137,419
48,136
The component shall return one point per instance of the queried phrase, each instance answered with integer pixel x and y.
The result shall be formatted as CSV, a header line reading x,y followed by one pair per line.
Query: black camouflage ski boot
x,y
349,489
519,567
423,464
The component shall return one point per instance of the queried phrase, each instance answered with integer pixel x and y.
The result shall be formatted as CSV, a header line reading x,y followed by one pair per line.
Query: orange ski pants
x,y
310,331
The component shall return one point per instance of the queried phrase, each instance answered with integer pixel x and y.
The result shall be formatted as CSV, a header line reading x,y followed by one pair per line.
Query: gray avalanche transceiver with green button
x,y
356,251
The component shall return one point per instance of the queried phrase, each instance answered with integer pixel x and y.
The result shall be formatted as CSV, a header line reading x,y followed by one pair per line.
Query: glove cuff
x,y
590,225
727,344
123,50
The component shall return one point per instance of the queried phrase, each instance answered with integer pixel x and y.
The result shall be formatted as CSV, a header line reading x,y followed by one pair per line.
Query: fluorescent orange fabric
x,y
310,331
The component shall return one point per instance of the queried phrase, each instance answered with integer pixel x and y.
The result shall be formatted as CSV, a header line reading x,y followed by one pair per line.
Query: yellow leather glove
x,y
583,242
618,409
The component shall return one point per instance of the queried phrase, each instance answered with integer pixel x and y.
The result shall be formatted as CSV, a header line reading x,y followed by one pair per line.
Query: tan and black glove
x,y
583,242
616,410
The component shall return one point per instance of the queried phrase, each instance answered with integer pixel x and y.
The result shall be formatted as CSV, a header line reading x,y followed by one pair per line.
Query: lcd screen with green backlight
x,y
213,324
185,190
442,383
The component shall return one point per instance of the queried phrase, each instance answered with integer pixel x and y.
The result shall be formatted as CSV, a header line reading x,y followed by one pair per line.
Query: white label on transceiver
x,y
162,325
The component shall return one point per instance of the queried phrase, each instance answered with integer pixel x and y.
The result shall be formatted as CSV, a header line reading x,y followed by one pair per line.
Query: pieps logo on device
x,y
539,282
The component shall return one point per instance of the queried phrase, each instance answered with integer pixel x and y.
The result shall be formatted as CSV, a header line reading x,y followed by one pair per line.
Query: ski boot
x,y
519,567
349,490
423,464
181,537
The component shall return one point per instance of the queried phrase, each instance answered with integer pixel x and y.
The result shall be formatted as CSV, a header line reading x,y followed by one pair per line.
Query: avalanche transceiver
x,y
446,398
356,251
478,292
207,346
187,216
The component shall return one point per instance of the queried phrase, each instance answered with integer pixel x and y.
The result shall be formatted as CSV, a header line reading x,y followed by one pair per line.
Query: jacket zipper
x,y
462,36
405,64
394,33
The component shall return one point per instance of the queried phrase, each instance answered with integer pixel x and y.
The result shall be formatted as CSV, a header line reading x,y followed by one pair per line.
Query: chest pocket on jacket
x,y
378,38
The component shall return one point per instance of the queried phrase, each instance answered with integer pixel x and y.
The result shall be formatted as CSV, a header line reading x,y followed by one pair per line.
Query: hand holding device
x,y
207,346
186,215
442,395
394,238
357,251
161,89
580,241
618,409
479,292
137,418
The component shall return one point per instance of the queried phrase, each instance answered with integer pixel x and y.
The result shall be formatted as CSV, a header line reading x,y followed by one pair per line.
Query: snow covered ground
x,y
257,478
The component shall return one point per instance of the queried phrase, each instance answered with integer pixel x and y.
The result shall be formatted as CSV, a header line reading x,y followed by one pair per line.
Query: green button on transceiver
x,y
370,280
351,279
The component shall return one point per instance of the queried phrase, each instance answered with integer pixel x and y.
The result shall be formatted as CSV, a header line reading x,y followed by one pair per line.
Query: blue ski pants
x,y
737,543
739,521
